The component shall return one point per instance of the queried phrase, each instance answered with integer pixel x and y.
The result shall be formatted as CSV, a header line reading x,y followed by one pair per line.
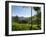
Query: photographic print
x,y
24,18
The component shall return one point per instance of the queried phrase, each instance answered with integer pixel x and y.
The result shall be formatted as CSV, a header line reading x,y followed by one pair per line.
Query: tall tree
x,y
38,15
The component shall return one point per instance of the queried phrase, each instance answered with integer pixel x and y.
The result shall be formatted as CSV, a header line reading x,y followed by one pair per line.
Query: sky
x,y
22,11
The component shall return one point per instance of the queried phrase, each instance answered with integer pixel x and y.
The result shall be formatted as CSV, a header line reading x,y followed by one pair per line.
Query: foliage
x,y
38,14
17,26
36,8
29,23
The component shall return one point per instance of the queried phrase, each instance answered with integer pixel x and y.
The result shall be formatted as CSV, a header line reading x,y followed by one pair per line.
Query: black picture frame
x,y
7,17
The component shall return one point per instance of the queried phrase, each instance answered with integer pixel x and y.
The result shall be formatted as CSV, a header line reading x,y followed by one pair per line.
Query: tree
x,y
38,15
16,18
36,8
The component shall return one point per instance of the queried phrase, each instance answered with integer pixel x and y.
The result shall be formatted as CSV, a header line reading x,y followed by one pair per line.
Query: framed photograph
x,y
24,18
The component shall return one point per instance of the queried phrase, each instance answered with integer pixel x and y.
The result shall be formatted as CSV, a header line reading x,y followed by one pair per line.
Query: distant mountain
x,y
28,19
22,18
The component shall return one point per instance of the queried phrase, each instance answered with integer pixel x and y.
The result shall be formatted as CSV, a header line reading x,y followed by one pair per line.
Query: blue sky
x,y
22,11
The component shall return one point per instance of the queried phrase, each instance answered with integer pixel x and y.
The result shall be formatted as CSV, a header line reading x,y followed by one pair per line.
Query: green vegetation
x,y
17,26
27,23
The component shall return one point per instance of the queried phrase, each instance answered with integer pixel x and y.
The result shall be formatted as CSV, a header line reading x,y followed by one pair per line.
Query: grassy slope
x,y
17,26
